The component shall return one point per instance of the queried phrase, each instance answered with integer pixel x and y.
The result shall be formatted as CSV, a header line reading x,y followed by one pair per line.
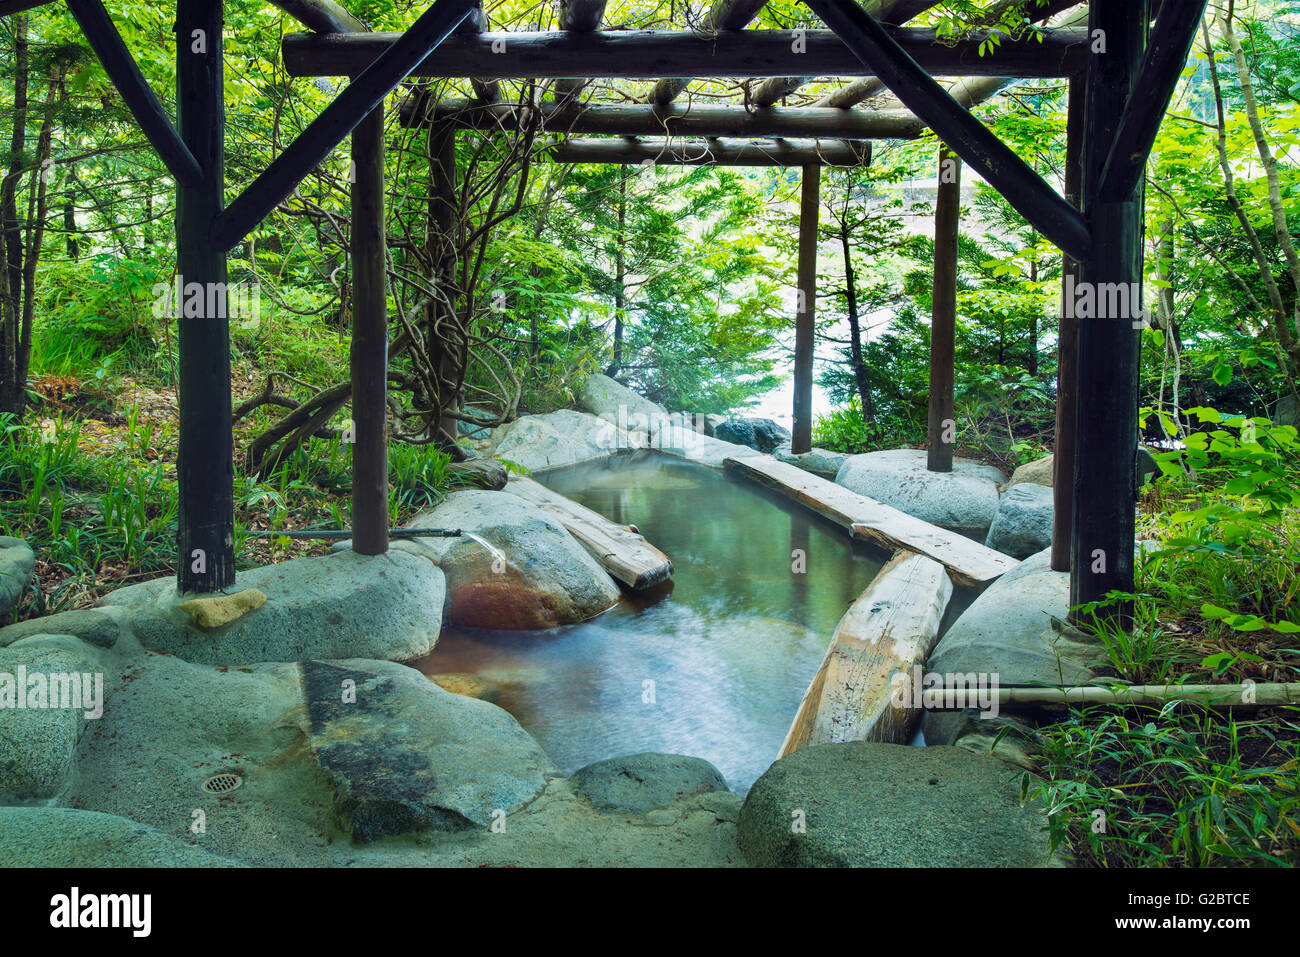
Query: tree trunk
x,y
620,267
855,328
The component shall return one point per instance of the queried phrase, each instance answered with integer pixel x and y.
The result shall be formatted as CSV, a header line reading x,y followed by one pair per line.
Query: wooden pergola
x,y
1122,68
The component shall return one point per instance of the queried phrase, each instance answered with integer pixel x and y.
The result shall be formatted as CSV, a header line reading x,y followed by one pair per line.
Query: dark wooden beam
x,y
1106,405
378,79
1067,346
707,152
805,323
971,140
731,15
943,314
1167,50
579,16
640,119
323,16
10,7
485,91
369,340
657,53
98,29
205,460
892,12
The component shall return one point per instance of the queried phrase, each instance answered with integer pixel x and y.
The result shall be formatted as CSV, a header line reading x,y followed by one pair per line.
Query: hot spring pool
x,y
713,664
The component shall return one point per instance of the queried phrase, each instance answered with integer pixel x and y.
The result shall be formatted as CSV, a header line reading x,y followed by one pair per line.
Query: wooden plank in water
x,y
622,551
969,562
887,631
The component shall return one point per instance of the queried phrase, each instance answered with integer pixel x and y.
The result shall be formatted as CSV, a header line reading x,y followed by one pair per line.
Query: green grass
x,y
1175,786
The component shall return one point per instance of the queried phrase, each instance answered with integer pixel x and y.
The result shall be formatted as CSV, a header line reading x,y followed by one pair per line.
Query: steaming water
x,y
713,665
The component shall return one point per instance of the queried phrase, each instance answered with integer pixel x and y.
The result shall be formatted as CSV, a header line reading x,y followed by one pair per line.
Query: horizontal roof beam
x,y
707,152
656,53
643,119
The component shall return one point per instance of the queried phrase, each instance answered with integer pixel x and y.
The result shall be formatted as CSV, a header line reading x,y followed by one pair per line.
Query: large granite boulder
x,y
97,626
817,461
339,605
531,573
616,403
1037,472
1013,630
66,837
561,438
458,763
51,686
1024,520
763,435
863,804
963,500
17,561
638,783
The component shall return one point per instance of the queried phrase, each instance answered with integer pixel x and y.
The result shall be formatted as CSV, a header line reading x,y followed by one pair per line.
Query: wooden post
x,y
1067,351
806,308
1106,413
205,461
943,317
369,340
443,200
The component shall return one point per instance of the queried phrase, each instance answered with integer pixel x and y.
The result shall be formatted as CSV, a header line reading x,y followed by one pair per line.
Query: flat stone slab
x,y
864,804
963,500
340,605
66,837
403,754
638,783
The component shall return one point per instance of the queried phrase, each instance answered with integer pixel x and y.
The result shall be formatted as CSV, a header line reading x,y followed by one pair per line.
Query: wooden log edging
x,y
890,629
622,551
968,562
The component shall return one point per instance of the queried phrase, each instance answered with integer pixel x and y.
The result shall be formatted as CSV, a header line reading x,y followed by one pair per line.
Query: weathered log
x,y
968,562
400,55
620,550
139,97
578,16
323,16
889,630
617,119
713,152
650,53
10,7
1246,695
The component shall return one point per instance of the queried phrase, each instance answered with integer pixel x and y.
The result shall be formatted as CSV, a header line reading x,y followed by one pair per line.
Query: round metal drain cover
x,y
222,783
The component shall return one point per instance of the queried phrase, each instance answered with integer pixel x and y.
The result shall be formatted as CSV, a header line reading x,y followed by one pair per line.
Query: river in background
x,y
712,665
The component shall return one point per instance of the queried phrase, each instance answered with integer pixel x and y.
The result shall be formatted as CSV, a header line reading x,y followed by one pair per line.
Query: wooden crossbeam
x,y
139,97
578,16
643,119
323,16
887,11
1167,49
1006,172
338,119
706,152
733,15
485,91
10,7
658,53
864,88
